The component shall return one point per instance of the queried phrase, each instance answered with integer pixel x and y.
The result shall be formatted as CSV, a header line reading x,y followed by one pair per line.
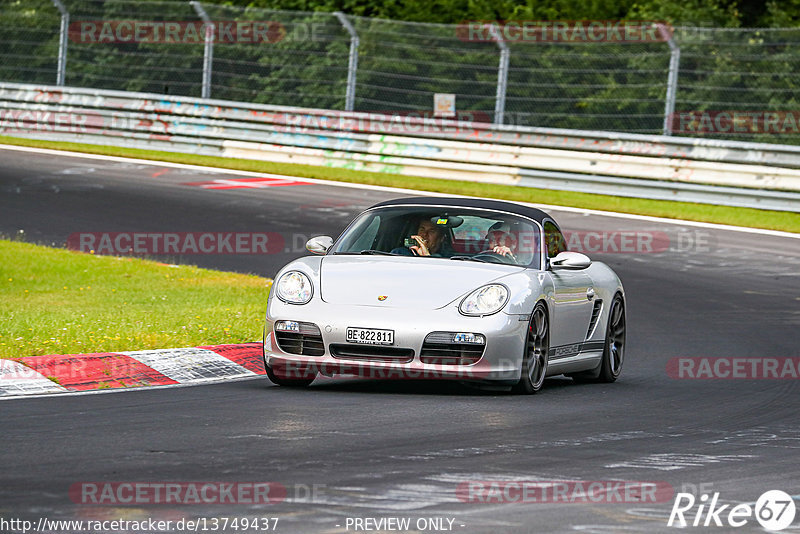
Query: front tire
x,y
537,352
278,377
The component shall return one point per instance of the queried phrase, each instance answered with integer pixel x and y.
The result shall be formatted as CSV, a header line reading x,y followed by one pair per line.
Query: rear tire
x,y
278,377
610,365
537,352
614,350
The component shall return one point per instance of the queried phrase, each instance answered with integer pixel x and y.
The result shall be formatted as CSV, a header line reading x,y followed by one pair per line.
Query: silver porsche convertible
x,y
480,291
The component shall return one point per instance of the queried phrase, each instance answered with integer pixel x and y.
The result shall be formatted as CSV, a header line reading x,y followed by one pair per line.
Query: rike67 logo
x,y
774,511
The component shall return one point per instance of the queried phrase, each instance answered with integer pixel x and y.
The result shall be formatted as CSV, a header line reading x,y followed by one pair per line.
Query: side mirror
x,y
319,244
570,260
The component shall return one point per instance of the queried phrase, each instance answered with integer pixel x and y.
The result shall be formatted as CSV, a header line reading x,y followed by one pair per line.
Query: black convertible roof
x,y
499,205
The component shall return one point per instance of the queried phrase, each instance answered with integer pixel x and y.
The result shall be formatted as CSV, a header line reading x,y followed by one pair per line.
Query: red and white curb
x,y
61,373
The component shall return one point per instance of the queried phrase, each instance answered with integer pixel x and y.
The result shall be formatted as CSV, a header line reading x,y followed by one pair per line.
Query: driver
x,y
429,239
501,240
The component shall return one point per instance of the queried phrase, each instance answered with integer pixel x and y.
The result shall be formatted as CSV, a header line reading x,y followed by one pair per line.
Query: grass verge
x,y
55,301
772,220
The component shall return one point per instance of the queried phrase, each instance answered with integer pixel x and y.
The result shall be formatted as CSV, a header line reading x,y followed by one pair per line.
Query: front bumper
x,y
501,361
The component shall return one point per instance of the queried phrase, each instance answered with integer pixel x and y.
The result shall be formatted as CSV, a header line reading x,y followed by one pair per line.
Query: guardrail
x,y
657,167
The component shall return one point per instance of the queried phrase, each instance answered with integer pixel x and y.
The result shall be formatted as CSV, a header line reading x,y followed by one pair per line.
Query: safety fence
x,y
659,167
593,76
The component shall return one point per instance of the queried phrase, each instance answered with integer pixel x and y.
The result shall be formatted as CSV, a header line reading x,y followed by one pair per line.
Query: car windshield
x,y
460,234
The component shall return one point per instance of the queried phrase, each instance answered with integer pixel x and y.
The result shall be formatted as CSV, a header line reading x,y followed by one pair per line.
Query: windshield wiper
x,y
378,252
470,258
366,251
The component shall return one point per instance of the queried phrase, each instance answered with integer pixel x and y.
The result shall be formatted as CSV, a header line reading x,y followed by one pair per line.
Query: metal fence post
x,y
672,78
62,43
352,62
502,75
208,49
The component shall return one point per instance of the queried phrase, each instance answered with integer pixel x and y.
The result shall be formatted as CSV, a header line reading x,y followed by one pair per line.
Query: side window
x,y
554,239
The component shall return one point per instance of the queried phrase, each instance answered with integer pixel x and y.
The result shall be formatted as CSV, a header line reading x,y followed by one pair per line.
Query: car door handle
x,y
590,293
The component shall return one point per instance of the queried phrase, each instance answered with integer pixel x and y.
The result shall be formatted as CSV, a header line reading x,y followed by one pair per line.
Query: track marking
x,y
671,462
218,170
67,393
190,364
17,379
37,376
245,183
81,372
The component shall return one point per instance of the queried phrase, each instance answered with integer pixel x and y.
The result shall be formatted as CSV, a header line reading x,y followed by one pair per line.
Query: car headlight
x,y
294,287
485,300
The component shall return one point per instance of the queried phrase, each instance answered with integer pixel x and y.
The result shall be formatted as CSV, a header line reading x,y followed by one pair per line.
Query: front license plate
x,y
371,336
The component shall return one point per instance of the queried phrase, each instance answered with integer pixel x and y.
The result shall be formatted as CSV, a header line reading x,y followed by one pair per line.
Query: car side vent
x,y
299,338
598,307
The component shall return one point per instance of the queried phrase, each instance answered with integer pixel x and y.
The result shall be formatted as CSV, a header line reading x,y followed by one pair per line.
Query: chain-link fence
x,y
724,77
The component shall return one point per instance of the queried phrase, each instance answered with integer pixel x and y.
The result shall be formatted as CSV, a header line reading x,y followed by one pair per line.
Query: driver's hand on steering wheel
x,y
502,250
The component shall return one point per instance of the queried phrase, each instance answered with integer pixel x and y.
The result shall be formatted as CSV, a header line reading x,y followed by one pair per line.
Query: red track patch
x,y
248,355
245,183
80,372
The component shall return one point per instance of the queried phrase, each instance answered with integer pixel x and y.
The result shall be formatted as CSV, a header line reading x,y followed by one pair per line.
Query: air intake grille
x,y
372,352
598,307
439,348
306,342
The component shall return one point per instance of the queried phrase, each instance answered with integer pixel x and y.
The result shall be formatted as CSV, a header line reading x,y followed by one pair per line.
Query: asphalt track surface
x,y
400,449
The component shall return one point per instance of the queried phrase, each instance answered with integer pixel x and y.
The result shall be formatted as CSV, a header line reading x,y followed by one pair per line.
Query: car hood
x,y
422,283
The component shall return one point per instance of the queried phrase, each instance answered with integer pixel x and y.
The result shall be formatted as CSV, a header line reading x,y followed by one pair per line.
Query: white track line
x,y
219,170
